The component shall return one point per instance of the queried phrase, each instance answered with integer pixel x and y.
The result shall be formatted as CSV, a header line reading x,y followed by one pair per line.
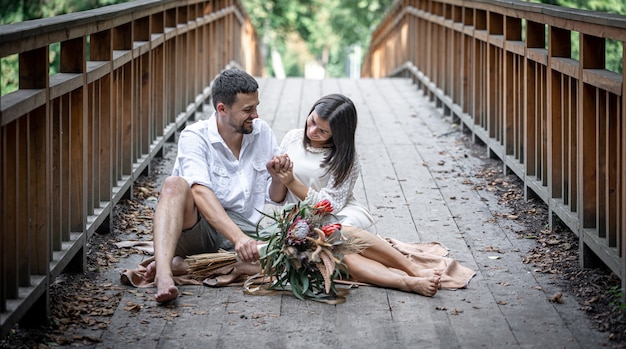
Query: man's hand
x,y
247,250
280,168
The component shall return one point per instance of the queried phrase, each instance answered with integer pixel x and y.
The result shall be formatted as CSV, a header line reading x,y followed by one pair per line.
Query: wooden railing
x,y
72,143
530,82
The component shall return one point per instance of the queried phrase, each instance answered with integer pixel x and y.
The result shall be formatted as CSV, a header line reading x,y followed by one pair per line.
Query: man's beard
x,y
245,130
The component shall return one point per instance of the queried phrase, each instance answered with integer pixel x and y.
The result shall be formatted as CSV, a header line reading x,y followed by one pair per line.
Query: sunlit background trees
x,y
315,38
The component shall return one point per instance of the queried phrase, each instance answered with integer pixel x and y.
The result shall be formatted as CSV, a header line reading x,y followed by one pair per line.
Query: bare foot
x,y
166,290
428,272
150,272
179,267
425,286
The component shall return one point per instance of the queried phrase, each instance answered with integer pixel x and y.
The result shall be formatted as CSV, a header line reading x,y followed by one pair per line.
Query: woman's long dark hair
x,y
342,117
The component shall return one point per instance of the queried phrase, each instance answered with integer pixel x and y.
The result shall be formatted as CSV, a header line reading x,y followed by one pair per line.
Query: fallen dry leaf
x,y
455,311
493,249
557,298
132,307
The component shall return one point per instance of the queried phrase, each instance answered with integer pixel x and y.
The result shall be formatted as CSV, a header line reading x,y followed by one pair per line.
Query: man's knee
x,y
174,186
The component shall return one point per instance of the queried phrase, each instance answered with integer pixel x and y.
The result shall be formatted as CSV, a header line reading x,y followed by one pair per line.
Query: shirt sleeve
x,y
192,160
338,196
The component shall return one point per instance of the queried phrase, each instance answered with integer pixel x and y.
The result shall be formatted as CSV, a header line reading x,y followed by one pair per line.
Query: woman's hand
x,y
280,168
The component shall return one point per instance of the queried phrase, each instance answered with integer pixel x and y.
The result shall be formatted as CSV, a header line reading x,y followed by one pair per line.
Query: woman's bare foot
x,y
179,266
424,273
166,290
150,272
425,286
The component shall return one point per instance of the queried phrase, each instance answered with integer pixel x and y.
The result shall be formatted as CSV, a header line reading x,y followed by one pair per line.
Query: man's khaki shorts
x,y
203,238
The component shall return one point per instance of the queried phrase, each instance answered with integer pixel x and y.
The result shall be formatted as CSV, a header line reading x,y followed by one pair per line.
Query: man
x,y
219,183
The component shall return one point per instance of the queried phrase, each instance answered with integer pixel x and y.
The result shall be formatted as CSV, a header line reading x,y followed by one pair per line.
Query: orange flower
x,y
330,228
324,206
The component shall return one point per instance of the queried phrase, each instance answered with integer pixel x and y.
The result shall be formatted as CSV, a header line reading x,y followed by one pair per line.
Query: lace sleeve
x,y
337,196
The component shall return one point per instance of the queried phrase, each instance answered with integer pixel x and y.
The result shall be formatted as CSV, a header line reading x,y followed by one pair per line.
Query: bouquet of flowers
x,y
304,250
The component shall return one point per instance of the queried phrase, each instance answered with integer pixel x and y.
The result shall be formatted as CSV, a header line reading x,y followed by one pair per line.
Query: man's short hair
x,y
229,83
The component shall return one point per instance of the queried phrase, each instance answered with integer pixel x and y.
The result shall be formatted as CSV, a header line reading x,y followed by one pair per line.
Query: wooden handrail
x,y
507,70
72,144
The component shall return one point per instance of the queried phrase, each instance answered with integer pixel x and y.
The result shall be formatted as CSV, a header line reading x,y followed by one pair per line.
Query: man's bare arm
x,y
211,209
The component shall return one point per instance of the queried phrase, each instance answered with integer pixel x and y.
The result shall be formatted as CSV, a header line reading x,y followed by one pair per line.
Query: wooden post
x,y
101,50
123,41
33,238
158,99
622,187
559,45
512,32
591,57
535,39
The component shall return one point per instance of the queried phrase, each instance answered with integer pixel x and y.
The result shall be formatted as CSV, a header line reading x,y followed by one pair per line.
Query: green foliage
x,y
609,6
616,304
301,243
614,50
9,81
328,27
14,11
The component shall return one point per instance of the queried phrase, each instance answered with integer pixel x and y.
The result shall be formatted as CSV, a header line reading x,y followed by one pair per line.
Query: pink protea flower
x,y
298,231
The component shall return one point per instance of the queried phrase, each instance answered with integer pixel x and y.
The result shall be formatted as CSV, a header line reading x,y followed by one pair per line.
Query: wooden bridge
x,y
131,75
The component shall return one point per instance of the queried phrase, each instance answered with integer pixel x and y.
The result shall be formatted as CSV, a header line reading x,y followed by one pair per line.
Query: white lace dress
x,y
306,168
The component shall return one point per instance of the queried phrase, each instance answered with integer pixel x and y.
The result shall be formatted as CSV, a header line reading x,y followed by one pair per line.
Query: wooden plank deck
x,y
419,182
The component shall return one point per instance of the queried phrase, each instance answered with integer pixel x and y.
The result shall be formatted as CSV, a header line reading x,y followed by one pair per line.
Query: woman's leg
x,y
372,272
385,254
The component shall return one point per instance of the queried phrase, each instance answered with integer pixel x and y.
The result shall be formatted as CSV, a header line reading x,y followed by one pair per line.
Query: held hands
x,y
280,168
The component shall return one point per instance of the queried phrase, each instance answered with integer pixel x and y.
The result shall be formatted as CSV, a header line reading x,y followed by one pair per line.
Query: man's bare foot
x,y
166,290
425,286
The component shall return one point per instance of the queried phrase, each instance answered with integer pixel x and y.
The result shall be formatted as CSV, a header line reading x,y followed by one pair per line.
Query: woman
x,y
324,165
